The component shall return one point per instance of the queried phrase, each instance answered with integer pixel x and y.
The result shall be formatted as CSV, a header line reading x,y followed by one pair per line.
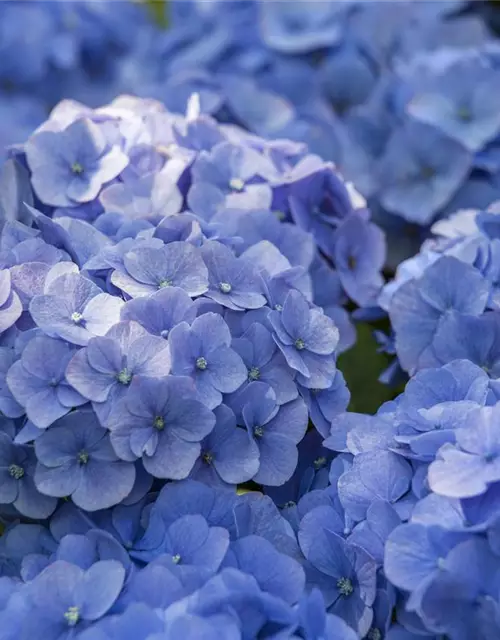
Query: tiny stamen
x,y
72,616
201,364
77,169
16,471
124,377
83,457
299,344
344,585
225,287
159,423
253,373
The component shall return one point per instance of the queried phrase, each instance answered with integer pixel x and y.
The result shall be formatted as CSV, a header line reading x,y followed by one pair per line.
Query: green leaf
x,y
361,367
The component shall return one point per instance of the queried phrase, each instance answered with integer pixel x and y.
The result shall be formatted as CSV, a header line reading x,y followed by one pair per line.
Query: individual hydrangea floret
x,y
17,468
419,306
265,363
275,429
162,311
150,268
73,308
307,338
162,421
345,574
75,458
233,282
65,599
70,166
202,351
229,454
103,371
466,468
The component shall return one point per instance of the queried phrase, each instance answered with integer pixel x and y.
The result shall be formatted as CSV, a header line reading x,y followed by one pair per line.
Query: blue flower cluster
x,y
192,561
176,284
55,50
443,303
172,300
418,492
162,316
409,112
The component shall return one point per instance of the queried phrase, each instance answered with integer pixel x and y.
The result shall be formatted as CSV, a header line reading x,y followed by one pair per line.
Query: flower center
x,y
289,504
237,184
163,284
76,317
278,307
374,634
464,114
299,344
72,616
159,423
258,432
253,373
83,457
77,169
427,172
201,363
319,462
164,333
124,377
344,585
16,471
225,287
207,457
176,559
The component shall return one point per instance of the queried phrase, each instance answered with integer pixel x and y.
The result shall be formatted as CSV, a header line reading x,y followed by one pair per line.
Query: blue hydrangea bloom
x,y
202,351
70,166
467,468
421,170
307,338
418,307
447,102
38,381
162,421
102,371
75,458
233,282
265,363
65,599
228,454
162,311
72,307
17,468
276,430
150,268
345,574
